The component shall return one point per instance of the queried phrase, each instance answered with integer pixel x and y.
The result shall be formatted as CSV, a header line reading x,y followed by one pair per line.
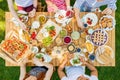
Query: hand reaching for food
x,y
32,13
22,25
23,62
107,11
82,59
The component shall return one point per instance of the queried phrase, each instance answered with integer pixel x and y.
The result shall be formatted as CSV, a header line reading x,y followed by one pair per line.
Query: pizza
x,y
14,48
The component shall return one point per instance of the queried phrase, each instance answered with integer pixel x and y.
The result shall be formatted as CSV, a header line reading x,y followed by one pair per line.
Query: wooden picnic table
x,y
73,24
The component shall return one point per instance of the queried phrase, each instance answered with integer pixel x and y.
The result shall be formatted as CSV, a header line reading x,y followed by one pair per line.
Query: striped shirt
x,y
61,4
88,5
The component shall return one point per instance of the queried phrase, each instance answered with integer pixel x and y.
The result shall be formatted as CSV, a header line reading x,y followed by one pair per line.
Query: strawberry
x,y
33,35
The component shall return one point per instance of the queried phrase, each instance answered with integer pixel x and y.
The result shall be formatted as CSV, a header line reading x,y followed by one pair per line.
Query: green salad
x,y
39,56
63,33
47,41
76,61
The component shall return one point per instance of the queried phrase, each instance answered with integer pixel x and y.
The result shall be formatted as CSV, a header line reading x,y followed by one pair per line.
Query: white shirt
x,y
74,72
91,4
24,3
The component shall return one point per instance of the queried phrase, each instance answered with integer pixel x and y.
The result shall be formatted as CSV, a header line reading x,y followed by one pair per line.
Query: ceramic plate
x,y
75,61
107,22
99,37
49,30
90,19
46,57
104,54
61,17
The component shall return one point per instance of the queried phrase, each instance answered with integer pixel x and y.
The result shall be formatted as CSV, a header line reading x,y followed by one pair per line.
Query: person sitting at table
x,y
77,72
28,6
54,5
42,71
93,5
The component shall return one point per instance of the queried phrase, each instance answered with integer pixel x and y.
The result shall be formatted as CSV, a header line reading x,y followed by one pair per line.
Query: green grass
x,y
105,73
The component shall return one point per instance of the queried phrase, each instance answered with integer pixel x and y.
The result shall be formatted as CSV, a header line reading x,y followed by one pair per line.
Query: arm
x,y
51,5
110,8
77,16
32,13
68,4
67,57
92,69
60,70
112,4
22,71
13,12
35,3
49,66
77,6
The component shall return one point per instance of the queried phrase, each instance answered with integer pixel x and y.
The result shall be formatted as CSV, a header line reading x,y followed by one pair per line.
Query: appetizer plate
x,y
104,54
90,19
43,57
75,35
35,25
48,33
24,36
23,16
107,22
61,17
75,61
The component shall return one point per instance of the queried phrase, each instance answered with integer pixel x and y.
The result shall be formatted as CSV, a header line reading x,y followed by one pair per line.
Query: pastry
x,y
99,37
107,22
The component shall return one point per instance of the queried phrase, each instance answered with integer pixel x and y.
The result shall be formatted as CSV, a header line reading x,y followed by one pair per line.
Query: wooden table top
x,y
111,36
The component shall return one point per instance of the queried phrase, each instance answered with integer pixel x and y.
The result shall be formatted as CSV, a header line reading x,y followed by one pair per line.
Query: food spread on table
x,y
57,39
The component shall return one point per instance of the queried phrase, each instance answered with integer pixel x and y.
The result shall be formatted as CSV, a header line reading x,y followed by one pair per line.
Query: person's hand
x,y
80,24
22,25
69,8
32,13
23,62
55,8
35,60
107,11
82,59
68,56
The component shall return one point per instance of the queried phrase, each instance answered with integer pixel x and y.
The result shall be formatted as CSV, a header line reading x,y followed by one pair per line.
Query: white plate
x,y
96,37
35,25
113,22
62,20
100,50
75,35
92,16
43,31
21,12
22,36
71,61
46,57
